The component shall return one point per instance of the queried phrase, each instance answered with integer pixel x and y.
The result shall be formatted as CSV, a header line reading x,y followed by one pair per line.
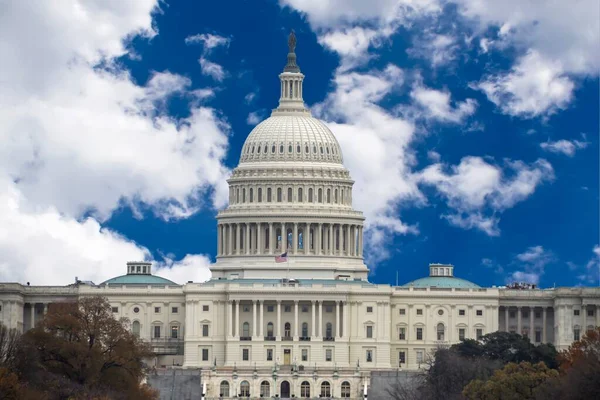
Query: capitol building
x,y
289,310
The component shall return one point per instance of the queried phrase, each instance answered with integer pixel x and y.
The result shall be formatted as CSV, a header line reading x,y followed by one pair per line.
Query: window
x,y
290,146
403,311
135,328
287,308
157,310
328,330
156,331
402,334
270,308
205,330
268,195
259,195
369,309
279,195
224,389
575,312
204,354
251,195
245,389
114,309
300,197
538,315
305,389
328,309
136,310
287,330
246,354
479,313
269,354
270,329
174,310
304,354
205,308
320,195
525,314
576,333
304,308
461,312
479,333
246,309
440,312
369,355
512,314
290,196
369,331
590,313
174,331
419,311
310,195
538,335
325,389
440,331
265,389
401,358
245,329
281,148
419,356
345,390
328,355
461,334
419,333
304,329
243,195
329,195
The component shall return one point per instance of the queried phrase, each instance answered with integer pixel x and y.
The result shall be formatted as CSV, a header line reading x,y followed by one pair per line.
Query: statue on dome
x,y
292,41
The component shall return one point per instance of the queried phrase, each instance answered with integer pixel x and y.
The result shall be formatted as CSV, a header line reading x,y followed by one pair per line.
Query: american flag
x,y
282,258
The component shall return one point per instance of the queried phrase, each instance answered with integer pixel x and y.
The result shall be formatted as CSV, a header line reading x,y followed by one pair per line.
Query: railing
x,y
270,338
305,338
167,346
287,338
329,339
245,338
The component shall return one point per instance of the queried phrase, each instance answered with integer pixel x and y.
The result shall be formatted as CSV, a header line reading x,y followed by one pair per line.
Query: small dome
x,y
291,138
442,282
138,279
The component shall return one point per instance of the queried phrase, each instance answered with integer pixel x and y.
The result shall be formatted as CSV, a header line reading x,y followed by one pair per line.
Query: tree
x,y
513,382
406,386
9,341
80,350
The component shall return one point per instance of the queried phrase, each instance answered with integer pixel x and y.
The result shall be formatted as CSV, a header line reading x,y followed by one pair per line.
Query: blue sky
x,y
470,127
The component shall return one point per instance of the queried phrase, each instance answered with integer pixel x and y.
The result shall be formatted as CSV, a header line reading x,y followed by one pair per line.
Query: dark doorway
x,y
285,390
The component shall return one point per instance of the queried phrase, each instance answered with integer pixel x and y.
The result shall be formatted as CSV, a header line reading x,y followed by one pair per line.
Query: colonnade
x,y
317,329
263,238
31,320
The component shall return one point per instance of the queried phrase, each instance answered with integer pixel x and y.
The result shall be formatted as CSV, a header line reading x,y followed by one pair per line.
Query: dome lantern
x,y
290,100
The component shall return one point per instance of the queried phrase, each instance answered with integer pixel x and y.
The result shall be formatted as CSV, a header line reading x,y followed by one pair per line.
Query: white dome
x,y
291,138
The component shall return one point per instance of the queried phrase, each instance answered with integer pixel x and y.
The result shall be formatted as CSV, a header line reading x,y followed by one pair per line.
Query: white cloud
x,y
433,156
212,69
531,264
435,104
563,146
591,270
78,140
249,98
474,189
439,49
208,40
254,118
535,86
351,44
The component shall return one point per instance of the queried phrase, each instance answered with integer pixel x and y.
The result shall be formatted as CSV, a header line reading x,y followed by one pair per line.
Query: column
x,y
261,304
254,318
519,330
450,329
279,319
237,240
360,241
219,229
247,238
337,320
348,241
230,241
313,325
597,316
271,238
259,238
345,319
295,319
230,318
544,325
237,318
319,239
45,308
583,319
32,315
320,332
506,327
295,238
331,251
283,238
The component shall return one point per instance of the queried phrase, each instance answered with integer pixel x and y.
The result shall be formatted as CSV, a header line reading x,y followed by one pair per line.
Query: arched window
x,y
306,149
135,328
287,330
342,199
279,195
298,148
290,148
328,195
251,195
321,149
224,389
273,149
320,195
281,148
328,330
310,195
335,196
305,389
258,149
270,329
266,149
260,195
265,389
245,389
304,329
268,195
290,196
243,195
237,195
300,197
253,149
325,389
345,389
314,149
246,329
440,331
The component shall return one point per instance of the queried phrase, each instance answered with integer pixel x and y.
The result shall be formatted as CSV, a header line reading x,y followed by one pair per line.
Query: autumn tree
x,y
80,350
513,382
